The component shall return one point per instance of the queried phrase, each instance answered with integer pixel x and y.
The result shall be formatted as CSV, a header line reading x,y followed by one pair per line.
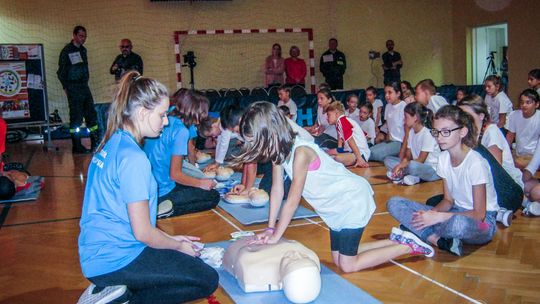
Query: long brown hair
x,y
477,104
267,134
133,92
190,106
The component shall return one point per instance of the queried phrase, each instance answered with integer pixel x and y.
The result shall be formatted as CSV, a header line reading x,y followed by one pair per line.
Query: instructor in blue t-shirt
x,y
122,252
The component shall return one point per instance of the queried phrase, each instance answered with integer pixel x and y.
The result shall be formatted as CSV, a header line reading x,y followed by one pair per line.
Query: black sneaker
x,y
453,246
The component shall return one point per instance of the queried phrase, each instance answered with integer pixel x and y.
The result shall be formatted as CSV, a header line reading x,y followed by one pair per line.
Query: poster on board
x,y
13,90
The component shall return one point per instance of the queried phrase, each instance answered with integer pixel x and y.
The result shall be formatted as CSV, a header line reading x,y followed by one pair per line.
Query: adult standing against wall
x,y
333,65
274,67
73,74
295,68
126,61
392,64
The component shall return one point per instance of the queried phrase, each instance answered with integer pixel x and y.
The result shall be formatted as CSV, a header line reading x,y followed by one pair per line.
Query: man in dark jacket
x,y
392,64
73,74
126,61
333,65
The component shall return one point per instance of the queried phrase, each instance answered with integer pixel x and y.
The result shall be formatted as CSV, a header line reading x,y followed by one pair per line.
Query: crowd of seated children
x,y
352,147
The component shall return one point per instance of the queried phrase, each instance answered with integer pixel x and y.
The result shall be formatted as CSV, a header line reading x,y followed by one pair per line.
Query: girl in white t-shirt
x,y
524,127
422,153
346,207
352,108
532,187
498,103
490,136
371,97
367,124
352,147
325,134
393,114
468,210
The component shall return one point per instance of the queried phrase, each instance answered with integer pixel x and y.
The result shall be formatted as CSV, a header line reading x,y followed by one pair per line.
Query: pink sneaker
x,y
418,246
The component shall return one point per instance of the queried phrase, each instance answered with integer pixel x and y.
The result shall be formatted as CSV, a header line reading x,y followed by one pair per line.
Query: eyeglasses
x,y
125,46
445,133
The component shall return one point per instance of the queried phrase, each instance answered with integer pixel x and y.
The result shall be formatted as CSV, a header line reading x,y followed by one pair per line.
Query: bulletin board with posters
x,y
23,93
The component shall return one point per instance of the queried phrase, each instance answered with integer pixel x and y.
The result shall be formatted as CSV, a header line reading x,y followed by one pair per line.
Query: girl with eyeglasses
x,y
468,211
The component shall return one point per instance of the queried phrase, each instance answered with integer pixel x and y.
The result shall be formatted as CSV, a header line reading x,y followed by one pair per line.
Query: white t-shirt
x,y
494,137
348,128
322,120
473,170
423,141
291,105
302,133
395,117
222,144
436,102
369,129
354,115
348,203
500,104
534,164
376,105
527,131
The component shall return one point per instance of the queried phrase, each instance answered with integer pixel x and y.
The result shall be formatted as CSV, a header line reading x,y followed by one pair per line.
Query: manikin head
x,y
300,276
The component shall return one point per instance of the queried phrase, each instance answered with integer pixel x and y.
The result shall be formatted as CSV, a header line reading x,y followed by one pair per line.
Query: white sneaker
x,y
392,178
165,209
504,216
410,180
106,295
532,209
418,246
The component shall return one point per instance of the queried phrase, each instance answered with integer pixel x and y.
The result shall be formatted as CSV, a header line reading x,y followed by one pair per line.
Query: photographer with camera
x,y
126,61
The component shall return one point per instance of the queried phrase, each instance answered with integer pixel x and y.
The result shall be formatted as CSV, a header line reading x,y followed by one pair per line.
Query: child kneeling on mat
x,y
345,206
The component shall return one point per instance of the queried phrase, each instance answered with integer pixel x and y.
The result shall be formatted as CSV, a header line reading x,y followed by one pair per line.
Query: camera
x,y
189,59
373,55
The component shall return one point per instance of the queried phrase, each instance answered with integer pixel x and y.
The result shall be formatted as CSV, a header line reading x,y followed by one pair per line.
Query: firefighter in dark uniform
x,y
333,65
73,74
126,61
392,64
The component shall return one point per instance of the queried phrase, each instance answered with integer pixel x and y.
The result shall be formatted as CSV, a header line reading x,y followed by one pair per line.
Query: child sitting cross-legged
x,y
352,147
420,160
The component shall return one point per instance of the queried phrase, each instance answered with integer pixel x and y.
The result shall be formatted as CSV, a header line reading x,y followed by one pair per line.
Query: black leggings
x,y
326,141
187,199
163,276
509,193
266,181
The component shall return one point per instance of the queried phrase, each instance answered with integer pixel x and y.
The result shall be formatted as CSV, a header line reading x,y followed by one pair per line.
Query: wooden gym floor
x,y
39,259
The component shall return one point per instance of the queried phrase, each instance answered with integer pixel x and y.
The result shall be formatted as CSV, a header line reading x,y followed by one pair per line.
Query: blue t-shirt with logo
x,y
118,175
172,142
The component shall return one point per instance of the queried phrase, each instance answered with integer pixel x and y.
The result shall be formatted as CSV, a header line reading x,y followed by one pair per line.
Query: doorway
x,y
489,45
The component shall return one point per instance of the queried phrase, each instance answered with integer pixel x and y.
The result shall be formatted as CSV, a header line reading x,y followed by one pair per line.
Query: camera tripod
x,y
491,69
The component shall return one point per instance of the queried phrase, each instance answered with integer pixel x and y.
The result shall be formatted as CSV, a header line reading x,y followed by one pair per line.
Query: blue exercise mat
x,y
247,214
29,194
334,289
